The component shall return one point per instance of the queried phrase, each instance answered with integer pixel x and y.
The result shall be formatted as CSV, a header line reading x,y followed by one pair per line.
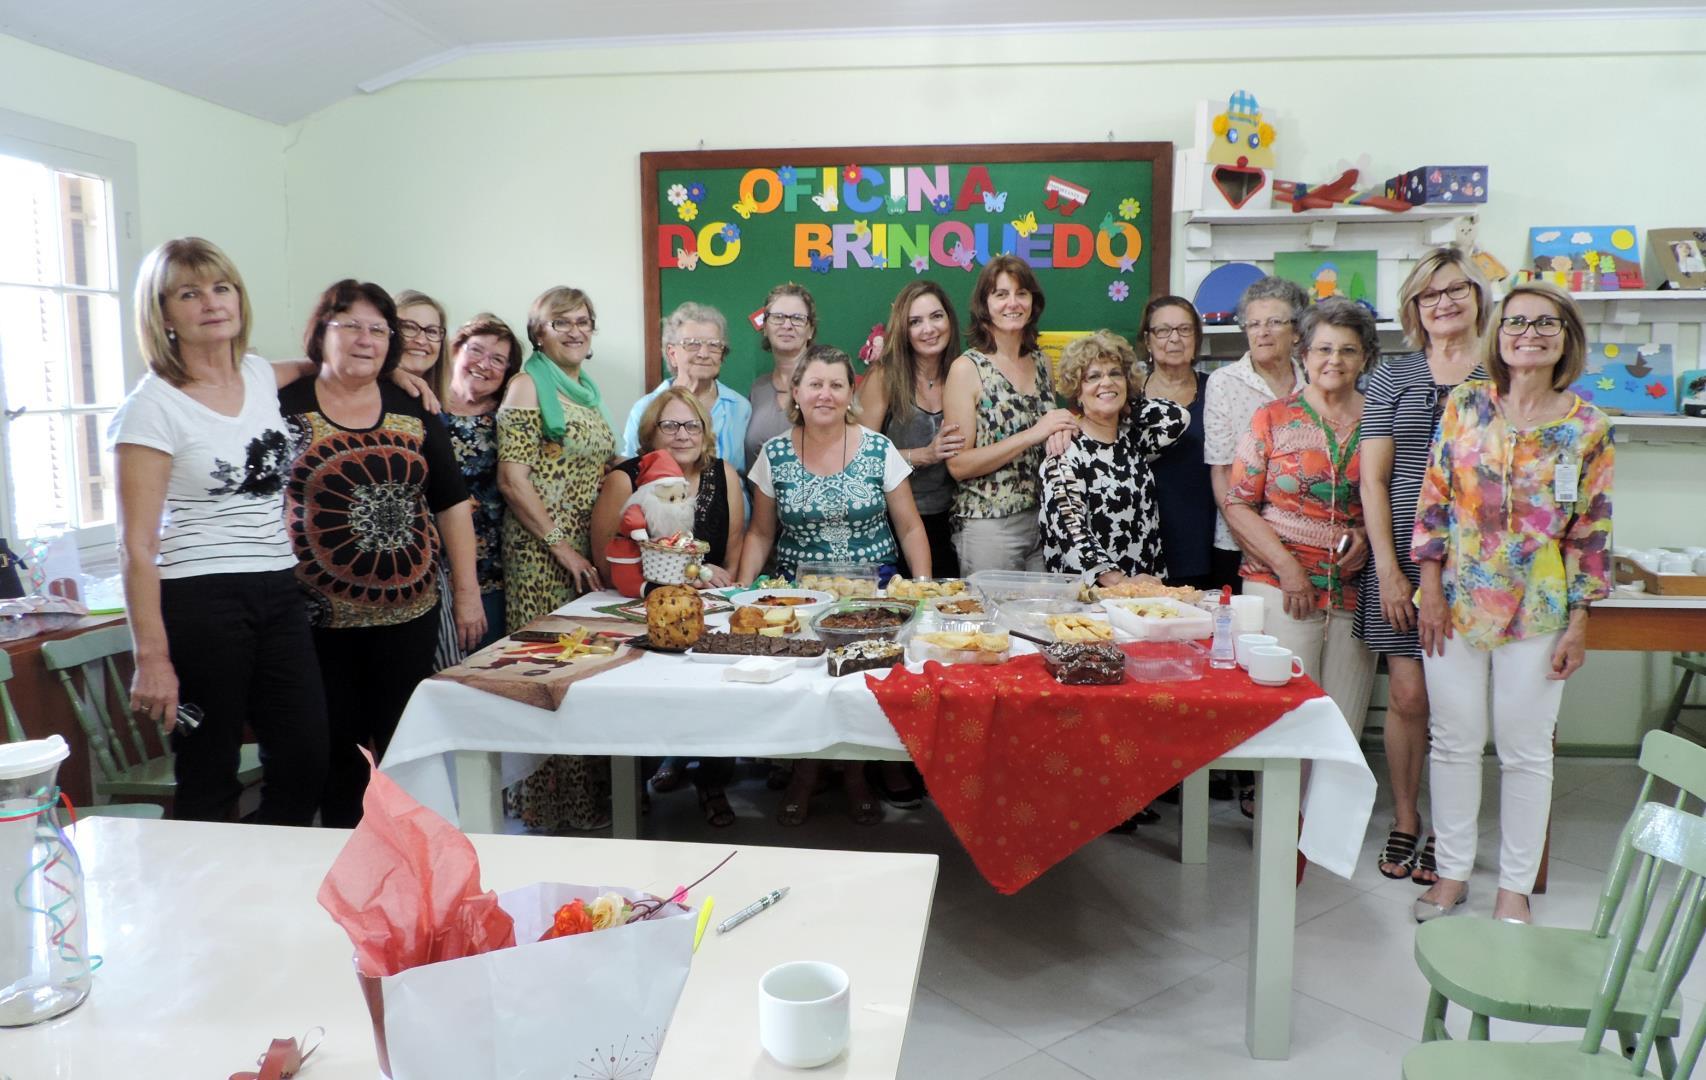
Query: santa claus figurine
x,y
661,507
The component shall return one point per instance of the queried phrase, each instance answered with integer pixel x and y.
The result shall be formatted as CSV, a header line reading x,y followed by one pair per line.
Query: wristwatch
x,y
554,537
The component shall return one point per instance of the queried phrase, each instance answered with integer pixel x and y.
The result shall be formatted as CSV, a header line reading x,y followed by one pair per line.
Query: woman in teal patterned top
x,y
824,491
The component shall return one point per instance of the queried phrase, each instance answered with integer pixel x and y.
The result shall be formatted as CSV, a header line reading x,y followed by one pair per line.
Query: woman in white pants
x,y
1513,537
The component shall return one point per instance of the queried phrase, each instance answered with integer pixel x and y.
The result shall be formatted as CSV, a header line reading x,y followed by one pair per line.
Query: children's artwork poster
x,y
1625,378
1679,257
1348,274
1585,258
855,225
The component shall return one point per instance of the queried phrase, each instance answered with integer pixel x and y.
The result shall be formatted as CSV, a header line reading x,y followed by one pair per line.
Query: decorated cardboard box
x,y
1440,184
1691,392
1622,378
1231,169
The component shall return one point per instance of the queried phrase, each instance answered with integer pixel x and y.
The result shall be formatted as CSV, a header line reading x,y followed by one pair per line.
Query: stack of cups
x,y
1246,614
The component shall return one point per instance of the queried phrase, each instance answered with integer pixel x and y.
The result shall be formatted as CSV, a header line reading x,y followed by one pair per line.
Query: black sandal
x,y
1425,865
669,777
1400,851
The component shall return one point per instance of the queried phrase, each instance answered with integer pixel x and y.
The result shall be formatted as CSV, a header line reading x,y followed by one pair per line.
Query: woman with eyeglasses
x,y
1170,337
373,486
424,328
695,342
1295,506
1444,306
1513,537
790,327
676,422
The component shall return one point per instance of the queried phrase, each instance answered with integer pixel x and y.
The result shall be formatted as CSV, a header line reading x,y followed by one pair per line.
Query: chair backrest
x,y
88,669
14,729
1661,835
1672,760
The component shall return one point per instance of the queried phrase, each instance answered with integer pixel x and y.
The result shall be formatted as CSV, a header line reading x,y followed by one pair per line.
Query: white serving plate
x,y
819,600
729,658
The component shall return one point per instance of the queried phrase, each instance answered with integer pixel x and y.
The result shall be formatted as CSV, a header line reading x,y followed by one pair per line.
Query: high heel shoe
x,y
1426,910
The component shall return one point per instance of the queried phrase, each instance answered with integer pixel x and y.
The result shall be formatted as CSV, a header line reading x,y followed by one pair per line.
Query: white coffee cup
x,y
1647,560
1674,562
1243,643
804,1013
1271,665
1247,614
1700,564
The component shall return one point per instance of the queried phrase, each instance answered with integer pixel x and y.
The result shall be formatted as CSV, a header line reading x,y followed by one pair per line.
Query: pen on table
x,y
747,912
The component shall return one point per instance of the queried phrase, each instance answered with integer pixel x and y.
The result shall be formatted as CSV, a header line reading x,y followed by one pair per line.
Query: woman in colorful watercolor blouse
x,y
1294,498
1513,536
825,491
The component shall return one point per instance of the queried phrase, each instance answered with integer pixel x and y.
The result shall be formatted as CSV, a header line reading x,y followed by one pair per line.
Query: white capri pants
x,y
1013,542
1332,655
1523,714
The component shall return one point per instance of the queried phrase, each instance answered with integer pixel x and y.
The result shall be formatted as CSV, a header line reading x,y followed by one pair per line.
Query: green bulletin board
x,y
854,224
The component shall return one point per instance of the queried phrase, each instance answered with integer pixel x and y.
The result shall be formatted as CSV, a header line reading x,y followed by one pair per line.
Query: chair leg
x,y
1667,1058
1678,700
1478,1024
1433,1022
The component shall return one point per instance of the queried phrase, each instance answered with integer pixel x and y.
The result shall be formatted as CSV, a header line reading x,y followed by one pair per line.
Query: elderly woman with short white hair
x,y
695,341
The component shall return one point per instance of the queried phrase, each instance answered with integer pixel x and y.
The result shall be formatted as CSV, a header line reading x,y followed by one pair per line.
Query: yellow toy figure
x,y
1240,155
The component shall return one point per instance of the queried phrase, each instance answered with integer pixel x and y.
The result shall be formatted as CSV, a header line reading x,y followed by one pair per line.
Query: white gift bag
x,y
591,1004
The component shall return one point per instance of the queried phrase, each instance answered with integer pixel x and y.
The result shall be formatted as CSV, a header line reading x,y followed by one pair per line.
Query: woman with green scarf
x,y
554,442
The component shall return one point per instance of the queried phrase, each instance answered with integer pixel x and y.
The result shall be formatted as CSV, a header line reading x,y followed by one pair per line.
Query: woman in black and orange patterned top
x,y
372,487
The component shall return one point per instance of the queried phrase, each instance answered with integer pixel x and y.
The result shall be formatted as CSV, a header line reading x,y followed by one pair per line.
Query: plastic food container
x,y
1190,622
998,586
923,589
1031,616
1165,661
944,608
844,579
833,636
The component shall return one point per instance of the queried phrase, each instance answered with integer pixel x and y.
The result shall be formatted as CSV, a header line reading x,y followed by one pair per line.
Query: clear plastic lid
x,y
32,757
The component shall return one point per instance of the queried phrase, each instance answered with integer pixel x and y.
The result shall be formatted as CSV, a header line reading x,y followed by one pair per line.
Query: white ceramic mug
x,y
1674,562
804,1013
1271,665
1700,564
1243,643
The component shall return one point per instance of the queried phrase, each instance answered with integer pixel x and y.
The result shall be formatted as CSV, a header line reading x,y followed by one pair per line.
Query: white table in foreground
x,y
456,747
214,945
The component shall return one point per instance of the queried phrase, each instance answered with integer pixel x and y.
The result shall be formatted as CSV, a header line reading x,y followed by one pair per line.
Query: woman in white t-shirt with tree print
x,y
215,613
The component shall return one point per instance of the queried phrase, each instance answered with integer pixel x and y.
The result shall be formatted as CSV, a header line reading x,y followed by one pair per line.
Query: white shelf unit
x,y
1669,317
1397,239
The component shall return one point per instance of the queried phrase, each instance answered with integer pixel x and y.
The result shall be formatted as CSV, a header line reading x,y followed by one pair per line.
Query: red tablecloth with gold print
x,y
1027,770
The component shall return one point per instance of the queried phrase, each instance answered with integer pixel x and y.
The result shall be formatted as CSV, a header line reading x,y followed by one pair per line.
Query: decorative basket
x,y
667,564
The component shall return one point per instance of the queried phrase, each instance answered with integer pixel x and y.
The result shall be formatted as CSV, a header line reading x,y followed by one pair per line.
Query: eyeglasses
x,y
1517,325
1457,290
694,345
410,328
1272,326
779,318
1095,375
478,357
1343,352
353,329
1167,333
670,427
563,326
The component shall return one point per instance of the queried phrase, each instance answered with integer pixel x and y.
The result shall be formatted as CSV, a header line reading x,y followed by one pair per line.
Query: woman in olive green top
x,y
999,388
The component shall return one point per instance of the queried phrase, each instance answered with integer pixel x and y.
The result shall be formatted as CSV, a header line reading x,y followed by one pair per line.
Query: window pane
x,y
29,217
86,237
59,350
61,477
95,487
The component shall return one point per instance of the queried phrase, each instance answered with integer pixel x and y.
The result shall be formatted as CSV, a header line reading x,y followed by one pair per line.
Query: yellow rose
x,y
607,911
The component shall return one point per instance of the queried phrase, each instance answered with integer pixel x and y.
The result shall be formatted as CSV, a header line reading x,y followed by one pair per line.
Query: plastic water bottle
x,y
1222,654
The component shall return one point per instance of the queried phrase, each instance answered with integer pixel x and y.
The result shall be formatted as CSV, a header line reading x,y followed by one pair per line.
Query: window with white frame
x,y
65,251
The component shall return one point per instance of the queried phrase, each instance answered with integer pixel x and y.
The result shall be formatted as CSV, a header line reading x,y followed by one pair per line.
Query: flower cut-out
x,y
731,231
1130,208
850,174
942,204
785,174
677,194
687,211
920,263
1118,291
696,191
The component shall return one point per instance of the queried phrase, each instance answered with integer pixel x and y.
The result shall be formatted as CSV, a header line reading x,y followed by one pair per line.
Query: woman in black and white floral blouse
x,y
1099,515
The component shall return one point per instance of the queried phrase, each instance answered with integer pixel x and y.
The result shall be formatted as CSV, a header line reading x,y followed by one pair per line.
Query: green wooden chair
x,y
1690,664
1661,835
1547,975
15,733
88,669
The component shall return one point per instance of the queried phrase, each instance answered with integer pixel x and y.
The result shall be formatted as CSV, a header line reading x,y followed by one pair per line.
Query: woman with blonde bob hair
x,y
1444,306
215,615
425,338
1513,535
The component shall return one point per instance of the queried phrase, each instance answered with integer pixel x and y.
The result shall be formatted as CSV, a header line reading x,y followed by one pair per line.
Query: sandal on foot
x,y
714,804
791,814
669,777
865,812
1247,800
1400,851
1426,871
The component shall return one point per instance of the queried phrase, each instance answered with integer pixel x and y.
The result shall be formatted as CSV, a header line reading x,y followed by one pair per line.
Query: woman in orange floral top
x,y
1513,537
1295,497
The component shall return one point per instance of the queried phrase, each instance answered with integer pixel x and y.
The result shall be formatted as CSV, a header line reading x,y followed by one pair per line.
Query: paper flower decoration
x,y
1118,291
920,263
696,191
731,232
942,204
850,174
677,194
687,211
785,174
1130,208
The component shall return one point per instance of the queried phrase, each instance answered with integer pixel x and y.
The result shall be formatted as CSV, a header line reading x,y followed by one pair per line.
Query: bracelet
x,y
1579,605
554,537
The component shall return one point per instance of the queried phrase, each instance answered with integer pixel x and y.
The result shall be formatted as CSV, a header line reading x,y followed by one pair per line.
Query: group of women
x,y
1448,509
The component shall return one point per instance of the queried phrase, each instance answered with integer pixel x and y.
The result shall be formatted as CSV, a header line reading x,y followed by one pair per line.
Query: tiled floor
x,y
1122,963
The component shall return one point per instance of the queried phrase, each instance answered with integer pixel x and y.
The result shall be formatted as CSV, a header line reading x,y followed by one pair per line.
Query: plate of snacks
x,y
844,579
900,588
765,620
1080,627
1031,616
1142,588
805,602
961,646
856,656
1159,619
721,648
1086,663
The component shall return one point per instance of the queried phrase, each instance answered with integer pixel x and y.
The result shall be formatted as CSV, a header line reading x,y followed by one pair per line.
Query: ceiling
x,y
282,60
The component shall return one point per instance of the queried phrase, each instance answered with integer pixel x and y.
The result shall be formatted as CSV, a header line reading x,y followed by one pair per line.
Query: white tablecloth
x,y
665,704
